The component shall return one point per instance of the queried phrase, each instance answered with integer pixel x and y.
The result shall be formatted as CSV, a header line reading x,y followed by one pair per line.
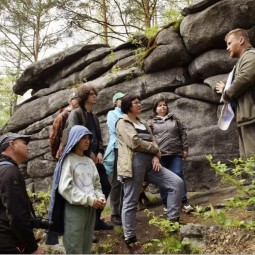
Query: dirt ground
x,y
226,241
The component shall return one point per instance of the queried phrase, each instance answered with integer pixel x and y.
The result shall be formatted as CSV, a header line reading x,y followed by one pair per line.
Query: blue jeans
x,y
174,164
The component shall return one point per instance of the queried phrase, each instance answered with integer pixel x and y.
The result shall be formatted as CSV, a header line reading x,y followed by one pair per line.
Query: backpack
x,y
57,131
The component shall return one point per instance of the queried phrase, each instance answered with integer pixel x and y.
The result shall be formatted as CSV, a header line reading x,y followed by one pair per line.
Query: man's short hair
x,y
5,140
239,32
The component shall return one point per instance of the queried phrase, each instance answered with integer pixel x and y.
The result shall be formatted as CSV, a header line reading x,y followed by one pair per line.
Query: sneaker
x,y
116,220
134,246
187,208
164,209
250,208
101,225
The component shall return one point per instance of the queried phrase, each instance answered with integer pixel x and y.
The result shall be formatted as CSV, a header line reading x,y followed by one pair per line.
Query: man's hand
x,y
219,87
99,203
155,164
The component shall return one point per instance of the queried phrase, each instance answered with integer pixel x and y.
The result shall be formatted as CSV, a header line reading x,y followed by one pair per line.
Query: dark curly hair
x,y
126,102
156,102
83,93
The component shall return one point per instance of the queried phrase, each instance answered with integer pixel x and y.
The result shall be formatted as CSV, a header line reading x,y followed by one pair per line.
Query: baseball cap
x,y
72,96
5,139
117,96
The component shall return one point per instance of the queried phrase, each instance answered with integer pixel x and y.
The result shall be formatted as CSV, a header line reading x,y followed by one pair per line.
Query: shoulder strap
x,y
2,163
5,163
118,121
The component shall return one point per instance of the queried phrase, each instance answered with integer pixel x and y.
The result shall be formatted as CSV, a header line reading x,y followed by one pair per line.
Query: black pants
x,y
106,186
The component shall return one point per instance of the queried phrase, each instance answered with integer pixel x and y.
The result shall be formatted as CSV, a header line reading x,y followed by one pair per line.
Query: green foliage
x,y
164,225
139,56
7,99
104,248
172,14
31,27
152,31
115,69
221,218
112,56
41,201
108,247
236,174
170,243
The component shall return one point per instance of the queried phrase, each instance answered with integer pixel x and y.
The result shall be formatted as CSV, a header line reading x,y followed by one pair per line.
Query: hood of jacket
x,y
163,119
75,134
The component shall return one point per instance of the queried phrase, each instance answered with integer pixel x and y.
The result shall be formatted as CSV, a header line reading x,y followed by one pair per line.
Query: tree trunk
x,y
104,14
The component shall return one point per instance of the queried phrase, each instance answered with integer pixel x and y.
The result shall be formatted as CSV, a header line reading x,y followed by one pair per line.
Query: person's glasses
x,y
92,94
136,102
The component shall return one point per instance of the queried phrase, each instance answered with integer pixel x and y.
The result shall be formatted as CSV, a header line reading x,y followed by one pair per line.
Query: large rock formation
x,y
183,65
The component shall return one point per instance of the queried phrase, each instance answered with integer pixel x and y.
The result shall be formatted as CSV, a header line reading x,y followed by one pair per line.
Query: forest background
x,y
31,30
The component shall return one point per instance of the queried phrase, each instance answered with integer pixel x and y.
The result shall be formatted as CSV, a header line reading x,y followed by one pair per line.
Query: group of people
x,y
138,151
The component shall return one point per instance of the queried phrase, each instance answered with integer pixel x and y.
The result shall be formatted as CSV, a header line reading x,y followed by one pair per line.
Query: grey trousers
x,y
116,191
79,222
142,171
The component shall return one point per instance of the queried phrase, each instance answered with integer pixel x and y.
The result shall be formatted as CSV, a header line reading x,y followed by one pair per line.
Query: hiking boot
x,y
187,208
116,220
101,225
134,246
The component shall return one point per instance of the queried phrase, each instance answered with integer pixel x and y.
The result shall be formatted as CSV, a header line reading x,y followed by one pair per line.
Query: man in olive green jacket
x,y
243,89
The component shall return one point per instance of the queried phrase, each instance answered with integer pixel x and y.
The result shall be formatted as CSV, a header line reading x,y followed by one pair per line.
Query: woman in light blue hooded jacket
x,y
76,193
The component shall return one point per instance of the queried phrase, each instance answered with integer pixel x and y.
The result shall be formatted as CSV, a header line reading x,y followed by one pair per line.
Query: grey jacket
x,y
243,88
170,135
